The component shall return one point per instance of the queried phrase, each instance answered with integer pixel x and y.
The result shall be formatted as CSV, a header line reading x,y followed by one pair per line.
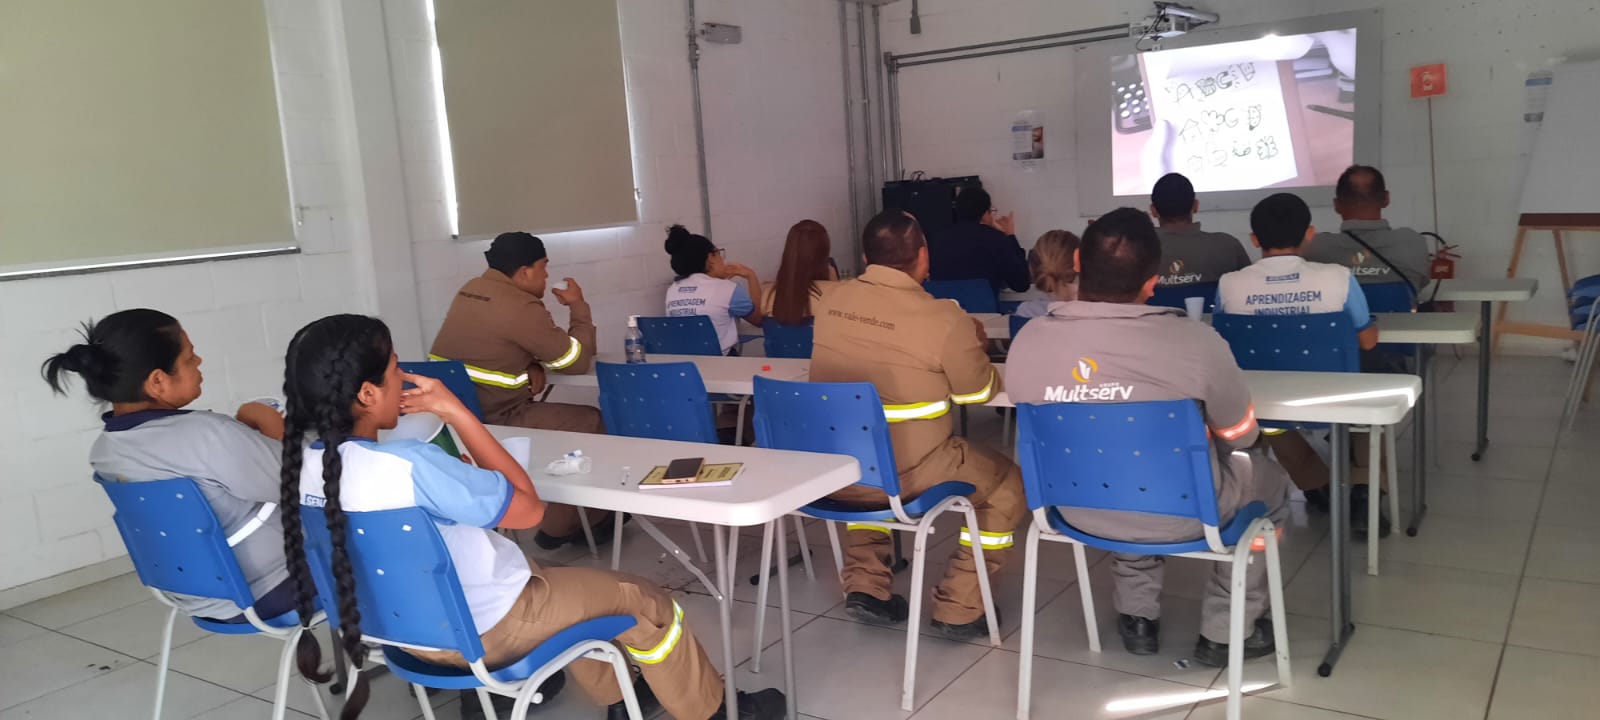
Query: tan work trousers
x,y
667,654
1000,504
559,520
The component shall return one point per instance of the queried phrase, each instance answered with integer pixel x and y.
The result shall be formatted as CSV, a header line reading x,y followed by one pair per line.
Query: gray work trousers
x,y
1247,476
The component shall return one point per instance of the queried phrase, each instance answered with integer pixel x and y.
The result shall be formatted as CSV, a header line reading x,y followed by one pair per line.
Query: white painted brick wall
x,y
957,116
239,313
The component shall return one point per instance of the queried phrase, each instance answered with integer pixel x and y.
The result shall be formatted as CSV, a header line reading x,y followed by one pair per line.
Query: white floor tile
x,y
1059,634
1545,685
14,630
1565,552
1502,460
1466,496
1260,708
46,663
704,619
1540,432
849,671
989,690
239,662
1424,598
1448,541
1574,462
390,697
1571,502
1385,673
247,708
136,630
128,691
1555,615
86,602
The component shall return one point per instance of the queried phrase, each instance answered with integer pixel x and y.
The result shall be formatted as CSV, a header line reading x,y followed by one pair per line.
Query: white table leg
x,y
783,615
719,536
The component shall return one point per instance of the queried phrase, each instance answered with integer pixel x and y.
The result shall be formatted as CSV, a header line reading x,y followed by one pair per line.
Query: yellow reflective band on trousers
x,y
664,648
981,396
574,349
484,376
852,527
989,540
915,411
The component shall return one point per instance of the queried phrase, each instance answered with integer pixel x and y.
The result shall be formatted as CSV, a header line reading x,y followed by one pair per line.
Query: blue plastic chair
x,y
1323,342
848,419
1173,295
1149,457
1017,321
178,547
788,341
974,296
410,596
1389,297
659,401
453,373
680,335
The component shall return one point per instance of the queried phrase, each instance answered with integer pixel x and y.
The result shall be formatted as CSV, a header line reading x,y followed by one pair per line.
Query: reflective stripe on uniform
x,y
851,527
664,648
574,349
484,376
916,411
1239,429
981,396
254,524
989,540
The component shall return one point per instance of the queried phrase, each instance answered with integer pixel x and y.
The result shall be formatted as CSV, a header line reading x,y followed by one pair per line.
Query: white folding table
x,y
1486,292
772,484
721,374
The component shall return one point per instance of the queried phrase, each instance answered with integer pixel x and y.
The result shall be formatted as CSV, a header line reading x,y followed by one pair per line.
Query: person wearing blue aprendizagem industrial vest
x,y
1284,283
1109,346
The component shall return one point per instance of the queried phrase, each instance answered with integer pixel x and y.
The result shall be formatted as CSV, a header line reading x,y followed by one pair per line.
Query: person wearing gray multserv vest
x,y
1365,243
1190,255
1109,346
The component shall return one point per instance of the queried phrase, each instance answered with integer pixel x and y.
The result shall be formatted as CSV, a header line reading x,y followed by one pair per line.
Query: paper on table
x,y
1227,124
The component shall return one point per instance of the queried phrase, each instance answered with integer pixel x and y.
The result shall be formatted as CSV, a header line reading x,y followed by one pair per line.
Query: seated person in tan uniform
x,y
1153,353
1190,255
499,328
922,354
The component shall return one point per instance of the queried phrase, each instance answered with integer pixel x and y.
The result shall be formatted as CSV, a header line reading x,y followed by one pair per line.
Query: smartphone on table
x,y
683,470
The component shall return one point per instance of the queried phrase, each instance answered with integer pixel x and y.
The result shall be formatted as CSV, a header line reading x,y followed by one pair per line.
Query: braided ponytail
x,y
327,364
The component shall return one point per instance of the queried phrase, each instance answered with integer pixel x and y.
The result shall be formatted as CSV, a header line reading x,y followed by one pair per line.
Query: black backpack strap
x,y
1409,285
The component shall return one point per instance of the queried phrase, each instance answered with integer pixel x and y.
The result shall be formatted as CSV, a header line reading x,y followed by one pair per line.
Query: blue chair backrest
x,y
838,418
1174,295
787,341
1323,342
1150,457
681,335
1389,297
454,376
661,401
1017,321
406,585
174,539
974,296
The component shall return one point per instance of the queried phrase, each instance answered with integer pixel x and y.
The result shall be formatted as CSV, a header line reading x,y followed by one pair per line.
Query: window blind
x,y
137,130
537,114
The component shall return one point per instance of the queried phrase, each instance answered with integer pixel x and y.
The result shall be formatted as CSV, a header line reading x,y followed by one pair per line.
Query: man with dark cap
x,y
1190,255
499,328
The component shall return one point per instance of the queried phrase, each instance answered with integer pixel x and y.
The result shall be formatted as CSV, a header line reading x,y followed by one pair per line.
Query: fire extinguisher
x,y
1442,267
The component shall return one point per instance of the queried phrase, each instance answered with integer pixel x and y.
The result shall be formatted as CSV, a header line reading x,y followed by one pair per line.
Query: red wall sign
x,y
1427,80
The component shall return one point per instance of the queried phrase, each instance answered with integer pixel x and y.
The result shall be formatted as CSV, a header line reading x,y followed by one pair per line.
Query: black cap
x,y
513,251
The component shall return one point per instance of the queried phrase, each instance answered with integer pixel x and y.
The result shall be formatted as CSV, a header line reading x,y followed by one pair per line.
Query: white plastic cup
x,y
1196,307
559,285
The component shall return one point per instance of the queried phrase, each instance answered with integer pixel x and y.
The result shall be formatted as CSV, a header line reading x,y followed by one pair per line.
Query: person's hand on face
x,y
1005,223
572,293
431,396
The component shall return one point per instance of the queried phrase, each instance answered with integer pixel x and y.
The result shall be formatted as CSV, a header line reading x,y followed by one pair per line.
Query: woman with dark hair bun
x,y
343,386
142,363
705,286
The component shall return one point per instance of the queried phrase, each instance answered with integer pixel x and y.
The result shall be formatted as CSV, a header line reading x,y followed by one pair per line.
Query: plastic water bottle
x,y
633,342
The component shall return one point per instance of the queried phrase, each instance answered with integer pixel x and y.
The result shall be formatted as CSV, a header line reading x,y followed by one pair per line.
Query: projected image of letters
x,y
1230,123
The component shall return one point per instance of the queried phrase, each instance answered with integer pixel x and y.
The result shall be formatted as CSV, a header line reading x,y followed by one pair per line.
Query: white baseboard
x,y
70,580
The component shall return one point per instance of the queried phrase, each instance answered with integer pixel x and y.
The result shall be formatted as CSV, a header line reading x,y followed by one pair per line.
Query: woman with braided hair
x,y
343,385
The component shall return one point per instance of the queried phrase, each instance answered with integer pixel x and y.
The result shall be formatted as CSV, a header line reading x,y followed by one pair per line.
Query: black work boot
x,y
869,609
1141,636
648,704
1256,644
768,704
1358,513
966,631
